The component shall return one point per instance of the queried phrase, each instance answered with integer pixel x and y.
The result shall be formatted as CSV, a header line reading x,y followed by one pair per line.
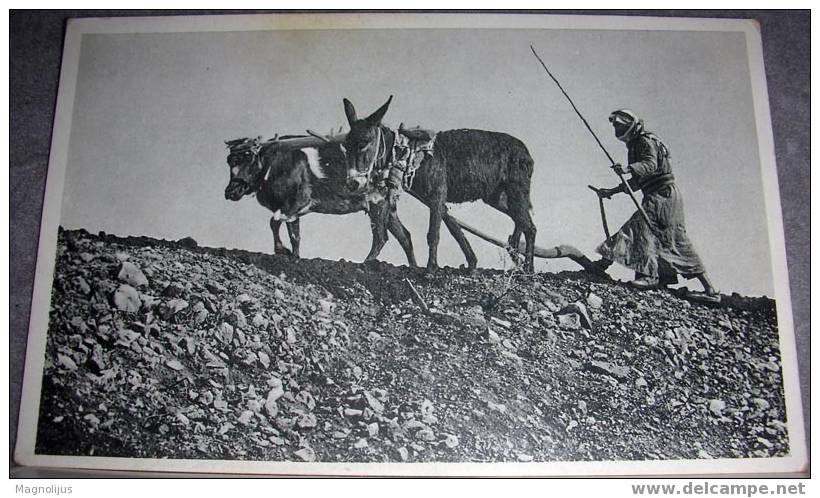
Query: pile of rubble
x,y
166,349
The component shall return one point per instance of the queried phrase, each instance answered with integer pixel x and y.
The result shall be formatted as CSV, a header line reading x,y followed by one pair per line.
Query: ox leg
x,y
463,243
378,225
401,233
295,237
278,247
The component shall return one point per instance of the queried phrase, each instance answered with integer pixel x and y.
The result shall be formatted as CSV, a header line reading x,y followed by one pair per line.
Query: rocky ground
x,y
169,350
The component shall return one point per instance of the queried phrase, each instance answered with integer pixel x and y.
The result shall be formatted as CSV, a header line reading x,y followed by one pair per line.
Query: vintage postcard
x,y
406,244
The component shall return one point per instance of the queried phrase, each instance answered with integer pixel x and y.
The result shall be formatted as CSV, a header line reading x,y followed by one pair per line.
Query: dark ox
x,y
466,165
293,183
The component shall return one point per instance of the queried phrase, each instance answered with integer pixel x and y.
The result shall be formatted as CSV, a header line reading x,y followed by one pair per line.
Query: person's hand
x,y
605,193
617,168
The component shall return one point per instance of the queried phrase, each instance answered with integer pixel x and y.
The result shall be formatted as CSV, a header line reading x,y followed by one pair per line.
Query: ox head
x,y
247,170
365,146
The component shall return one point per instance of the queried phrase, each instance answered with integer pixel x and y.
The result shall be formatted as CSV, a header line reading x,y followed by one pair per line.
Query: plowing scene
x,y
414,245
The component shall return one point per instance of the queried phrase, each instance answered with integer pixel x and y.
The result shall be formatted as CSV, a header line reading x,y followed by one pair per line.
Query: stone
x,y
259,321
651,341
641,382
492,336
403,455
215,287
450,441
82,285
173,290
277,389
127,299
569,321
237,319
132,275
373,429
360,444
717,406
327,306
92,419
200,313
225,331
278,295
174,365
594,301
577,308
373,402
96,361
306,421
246,417
264,359
172,307
761,404
602,367
501,408
426,435
306,454
353,413
66,362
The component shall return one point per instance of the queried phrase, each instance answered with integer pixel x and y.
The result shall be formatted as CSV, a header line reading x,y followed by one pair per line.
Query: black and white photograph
x,y
412,244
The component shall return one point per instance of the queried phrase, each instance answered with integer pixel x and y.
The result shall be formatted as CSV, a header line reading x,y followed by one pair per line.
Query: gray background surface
x,y
36,40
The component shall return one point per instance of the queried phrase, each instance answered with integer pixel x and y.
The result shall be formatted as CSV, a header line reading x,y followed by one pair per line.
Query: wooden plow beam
x,y
560,251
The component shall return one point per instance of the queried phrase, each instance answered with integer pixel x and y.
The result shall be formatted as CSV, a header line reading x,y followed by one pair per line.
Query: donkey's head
x,y
365,145
247,170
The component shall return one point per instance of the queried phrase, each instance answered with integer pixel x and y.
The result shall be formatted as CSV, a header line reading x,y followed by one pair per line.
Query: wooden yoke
x,y
312,139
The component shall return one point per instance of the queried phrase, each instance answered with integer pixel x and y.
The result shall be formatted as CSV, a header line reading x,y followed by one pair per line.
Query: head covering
x,y
628,118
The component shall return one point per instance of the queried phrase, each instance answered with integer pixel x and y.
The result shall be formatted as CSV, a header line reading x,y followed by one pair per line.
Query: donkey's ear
x,y
377,116
350,112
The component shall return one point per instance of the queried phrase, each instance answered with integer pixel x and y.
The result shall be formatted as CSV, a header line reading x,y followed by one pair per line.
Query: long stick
x,y
627,188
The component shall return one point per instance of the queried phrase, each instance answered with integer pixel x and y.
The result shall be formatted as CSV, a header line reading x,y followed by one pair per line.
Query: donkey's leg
x,y
433,232
499,202
378,225
401,233
519,203
463,243
295,238
278,247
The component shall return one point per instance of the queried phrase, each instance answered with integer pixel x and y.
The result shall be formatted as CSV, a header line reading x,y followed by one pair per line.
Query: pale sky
x,y
152,112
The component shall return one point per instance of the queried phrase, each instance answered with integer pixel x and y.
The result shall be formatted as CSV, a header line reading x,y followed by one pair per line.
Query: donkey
x,y
292,183
465,165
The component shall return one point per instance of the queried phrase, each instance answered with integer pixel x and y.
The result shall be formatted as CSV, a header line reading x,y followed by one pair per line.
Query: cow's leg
x,y
463,243
278,247
399,231
378,225
295,237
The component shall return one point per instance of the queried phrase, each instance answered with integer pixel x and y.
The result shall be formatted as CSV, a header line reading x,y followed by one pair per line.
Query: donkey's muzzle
x,y
235,190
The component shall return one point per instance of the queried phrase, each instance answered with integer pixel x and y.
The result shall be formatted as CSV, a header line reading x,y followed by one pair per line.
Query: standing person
x,y
660,250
